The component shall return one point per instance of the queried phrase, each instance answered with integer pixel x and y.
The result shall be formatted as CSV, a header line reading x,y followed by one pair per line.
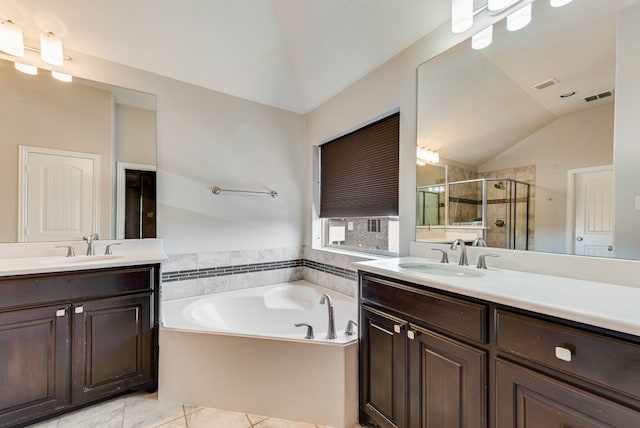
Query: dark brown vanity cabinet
x,y
70,338
412,375
112,346
432,359
383,353
34,362
571,363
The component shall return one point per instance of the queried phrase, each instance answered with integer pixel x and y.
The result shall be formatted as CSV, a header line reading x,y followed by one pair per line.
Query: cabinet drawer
x,y
590,356
38,289
447,313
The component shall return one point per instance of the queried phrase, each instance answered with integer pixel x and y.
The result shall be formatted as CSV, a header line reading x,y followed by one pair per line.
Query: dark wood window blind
x,y
359,171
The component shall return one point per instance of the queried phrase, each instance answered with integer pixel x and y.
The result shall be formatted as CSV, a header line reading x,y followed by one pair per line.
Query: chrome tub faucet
x,y
331,329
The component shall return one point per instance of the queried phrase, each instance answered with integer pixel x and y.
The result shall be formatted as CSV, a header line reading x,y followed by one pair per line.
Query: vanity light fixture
x,y
482,38
11,38
461,15
519,19
425,156
51,49
63,77
26,68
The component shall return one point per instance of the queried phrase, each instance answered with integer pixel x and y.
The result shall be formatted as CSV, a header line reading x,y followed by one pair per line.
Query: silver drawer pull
x,y
79,309
411,334
61,312
563,353
397,328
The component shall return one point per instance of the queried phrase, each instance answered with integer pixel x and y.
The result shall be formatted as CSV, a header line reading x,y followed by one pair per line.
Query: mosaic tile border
x,y
182,275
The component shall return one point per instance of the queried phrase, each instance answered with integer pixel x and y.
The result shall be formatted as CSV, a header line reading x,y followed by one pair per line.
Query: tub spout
x,y
331,329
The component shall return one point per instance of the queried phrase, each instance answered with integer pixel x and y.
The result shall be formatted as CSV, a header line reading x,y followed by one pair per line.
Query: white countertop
x,y
31,265
614,307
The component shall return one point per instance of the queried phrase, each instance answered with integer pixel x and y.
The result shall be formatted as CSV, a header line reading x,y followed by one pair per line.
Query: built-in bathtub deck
x,y
313,381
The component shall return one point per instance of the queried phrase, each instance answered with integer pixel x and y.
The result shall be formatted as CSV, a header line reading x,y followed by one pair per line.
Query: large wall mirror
x,y
524,128
76,159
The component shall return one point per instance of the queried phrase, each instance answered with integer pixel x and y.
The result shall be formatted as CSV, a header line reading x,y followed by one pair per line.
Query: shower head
x,y
499,185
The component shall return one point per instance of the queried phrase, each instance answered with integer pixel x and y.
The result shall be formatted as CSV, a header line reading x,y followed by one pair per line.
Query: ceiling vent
x,y
546,83
599,96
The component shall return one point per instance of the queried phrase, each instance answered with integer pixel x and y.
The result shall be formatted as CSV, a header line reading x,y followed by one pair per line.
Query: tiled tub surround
x,y
188,275
240,350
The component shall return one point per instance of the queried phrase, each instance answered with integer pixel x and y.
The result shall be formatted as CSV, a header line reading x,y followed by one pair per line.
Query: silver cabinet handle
x,y
61,312
411,334
79,309
564,353
397,328
579,238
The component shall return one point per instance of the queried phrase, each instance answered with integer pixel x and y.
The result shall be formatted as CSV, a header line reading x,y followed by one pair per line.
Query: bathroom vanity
x,y
75,331
449,346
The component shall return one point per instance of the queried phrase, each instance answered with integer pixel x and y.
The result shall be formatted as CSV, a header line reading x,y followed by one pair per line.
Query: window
x,y
373,225
359,188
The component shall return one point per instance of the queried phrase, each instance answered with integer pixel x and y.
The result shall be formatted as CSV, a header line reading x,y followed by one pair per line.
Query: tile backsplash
x,y
187,275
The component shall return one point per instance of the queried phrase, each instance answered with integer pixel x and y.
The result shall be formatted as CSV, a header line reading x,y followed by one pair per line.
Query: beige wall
x,y
574,141
135,135
388,87
40,111
209,138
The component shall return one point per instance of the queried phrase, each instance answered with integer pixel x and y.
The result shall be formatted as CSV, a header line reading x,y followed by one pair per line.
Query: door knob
x,y
579,238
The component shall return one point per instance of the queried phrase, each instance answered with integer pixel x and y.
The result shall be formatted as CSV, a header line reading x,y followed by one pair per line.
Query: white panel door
x,y
59,195
594,214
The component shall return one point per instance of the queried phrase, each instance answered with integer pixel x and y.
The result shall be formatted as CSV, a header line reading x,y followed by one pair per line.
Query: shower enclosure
x,y
431,205
500,205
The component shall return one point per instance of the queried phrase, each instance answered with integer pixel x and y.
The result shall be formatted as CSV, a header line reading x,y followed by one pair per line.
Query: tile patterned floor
x,y
142,410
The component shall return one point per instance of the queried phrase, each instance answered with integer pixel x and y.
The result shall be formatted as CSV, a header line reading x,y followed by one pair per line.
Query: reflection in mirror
x,y
431,184
507,114
61,144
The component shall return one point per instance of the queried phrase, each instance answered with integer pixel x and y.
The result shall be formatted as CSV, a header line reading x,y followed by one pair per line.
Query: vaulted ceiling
x,y
292,54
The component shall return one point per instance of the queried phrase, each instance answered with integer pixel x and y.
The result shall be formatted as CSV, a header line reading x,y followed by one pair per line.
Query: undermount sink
x,y
442,269
81,259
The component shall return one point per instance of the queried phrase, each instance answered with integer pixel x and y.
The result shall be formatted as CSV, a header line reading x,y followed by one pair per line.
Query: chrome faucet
x,y
350,330
479,242
90,240
463,251
331,329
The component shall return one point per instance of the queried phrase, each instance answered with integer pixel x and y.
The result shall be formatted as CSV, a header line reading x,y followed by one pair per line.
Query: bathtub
x,y
240,351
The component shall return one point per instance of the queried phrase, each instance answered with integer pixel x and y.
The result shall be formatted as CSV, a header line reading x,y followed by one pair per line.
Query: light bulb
x,y
483,38
26,68
11,39
63,77
519,19
461,15
51,49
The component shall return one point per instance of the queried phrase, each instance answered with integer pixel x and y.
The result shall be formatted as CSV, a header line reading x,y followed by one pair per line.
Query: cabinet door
x,y
34,363
447,382
528,399
382,368
111,346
